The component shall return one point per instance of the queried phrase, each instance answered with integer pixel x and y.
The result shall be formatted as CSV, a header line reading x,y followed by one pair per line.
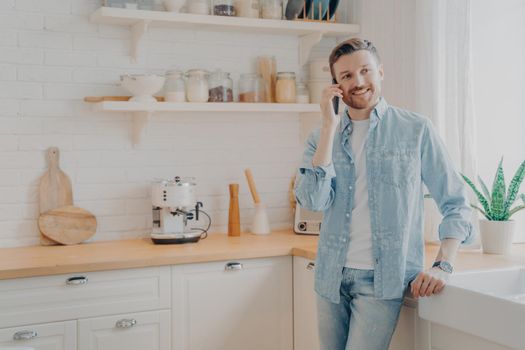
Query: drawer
x,y
49,336
71,296
136,331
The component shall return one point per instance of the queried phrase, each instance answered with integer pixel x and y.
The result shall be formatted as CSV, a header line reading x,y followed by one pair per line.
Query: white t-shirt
x,y
359,255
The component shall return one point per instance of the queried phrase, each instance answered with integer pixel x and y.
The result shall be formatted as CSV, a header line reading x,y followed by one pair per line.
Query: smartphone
x,y
335,99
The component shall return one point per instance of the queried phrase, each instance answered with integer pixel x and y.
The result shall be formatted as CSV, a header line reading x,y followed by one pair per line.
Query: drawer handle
x,y
310,266
233,266
126,323
76,281
25,335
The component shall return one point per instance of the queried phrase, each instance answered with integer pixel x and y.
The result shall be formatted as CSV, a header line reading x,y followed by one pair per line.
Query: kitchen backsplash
x,y
51,57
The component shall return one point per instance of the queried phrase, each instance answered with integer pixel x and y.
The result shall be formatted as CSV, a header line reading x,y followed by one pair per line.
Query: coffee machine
x,y
174,209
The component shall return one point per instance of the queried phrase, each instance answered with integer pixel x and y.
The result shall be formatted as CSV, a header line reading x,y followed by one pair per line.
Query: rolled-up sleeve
x,y
446,187
314,185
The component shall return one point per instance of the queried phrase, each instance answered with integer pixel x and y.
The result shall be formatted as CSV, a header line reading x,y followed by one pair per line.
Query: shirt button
x,y
351,162
347,215
349,187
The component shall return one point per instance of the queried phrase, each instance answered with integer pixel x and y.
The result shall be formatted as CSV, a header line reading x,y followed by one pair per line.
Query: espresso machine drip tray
x,y
177,238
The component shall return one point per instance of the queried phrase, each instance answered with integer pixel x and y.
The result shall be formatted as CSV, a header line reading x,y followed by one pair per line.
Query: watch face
x,y
445,266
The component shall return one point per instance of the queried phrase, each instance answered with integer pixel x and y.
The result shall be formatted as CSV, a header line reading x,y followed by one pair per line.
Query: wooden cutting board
x,y
55,189
68,225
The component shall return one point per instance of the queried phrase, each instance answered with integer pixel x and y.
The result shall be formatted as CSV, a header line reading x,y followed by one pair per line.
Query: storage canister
x,y
251,88
303,95
198,7
174,88
266,67
220,87
285,87
197,89
224,8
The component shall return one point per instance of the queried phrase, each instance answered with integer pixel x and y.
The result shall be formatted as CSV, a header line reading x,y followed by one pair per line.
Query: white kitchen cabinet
x,y
26,301
233,305
306,335
48,336
139,331
79,295
446,338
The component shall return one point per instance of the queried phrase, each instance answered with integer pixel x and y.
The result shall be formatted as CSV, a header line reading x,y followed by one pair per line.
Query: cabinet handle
x,y
233,266
76,281
310,266
24,335
126,323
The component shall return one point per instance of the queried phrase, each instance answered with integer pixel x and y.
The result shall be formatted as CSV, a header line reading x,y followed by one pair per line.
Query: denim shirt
x,y
403,152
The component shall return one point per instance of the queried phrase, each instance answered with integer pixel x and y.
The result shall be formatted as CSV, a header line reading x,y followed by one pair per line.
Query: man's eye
x,y
365,70
346,76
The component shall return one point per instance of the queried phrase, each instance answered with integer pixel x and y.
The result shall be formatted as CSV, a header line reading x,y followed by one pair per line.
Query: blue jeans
x,y
360,321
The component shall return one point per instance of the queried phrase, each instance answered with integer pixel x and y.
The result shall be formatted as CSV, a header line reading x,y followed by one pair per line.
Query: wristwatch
x,y
443,265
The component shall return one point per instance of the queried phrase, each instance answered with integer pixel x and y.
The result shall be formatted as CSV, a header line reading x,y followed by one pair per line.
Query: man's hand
x,y
330,120
429,282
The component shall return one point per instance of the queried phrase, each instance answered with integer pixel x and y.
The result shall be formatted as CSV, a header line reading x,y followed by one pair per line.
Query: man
x,y
365,170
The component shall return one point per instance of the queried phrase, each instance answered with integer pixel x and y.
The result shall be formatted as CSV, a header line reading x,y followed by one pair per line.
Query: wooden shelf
x,y
309,33
142,111
120,106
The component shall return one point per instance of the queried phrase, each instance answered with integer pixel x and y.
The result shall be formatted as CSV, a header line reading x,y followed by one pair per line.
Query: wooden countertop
x,y
110,255
50,260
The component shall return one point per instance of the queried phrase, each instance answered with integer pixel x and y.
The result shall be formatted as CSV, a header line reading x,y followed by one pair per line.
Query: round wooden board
x,y
68,225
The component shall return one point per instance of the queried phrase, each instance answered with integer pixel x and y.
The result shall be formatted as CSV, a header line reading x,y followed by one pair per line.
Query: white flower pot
x,y
496,236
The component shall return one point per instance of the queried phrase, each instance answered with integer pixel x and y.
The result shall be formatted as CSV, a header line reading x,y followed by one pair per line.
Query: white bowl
x,y
173,5
142,86
320,69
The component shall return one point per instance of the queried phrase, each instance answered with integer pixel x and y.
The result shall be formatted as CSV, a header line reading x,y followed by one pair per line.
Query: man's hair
x,y
350,46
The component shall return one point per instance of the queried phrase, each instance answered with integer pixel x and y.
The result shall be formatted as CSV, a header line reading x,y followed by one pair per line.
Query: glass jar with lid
x,y
224,8
251,88
247,8
197,88
174,88
221,87
285,87
272,9
198,7
303,95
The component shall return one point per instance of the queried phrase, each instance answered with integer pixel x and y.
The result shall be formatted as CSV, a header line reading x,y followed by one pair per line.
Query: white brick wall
x,y
51,56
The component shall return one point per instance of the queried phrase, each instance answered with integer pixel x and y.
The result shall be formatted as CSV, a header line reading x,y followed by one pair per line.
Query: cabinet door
x,y
306,336
49,336
404,335
233,305
138,331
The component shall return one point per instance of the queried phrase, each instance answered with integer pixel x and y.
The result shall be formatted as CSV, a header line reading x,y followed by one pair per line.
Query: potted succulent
x,y
497,230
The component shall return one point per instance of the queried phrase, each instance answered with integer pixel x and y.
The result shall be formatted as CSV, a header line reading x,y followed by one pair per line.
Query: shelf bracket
x,y
306,43
137,33
140,126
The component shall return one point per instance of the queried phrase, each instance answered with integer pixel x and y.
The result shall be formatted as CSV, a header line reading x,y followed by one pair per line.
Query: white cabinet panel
x,y
404,335
306,336
445,338
140,331
50,336
233,305
53,298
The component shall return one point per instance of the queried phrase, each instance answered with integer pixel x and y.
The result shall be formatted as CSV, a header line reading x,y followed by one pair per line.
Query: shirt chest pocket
x,y
398,167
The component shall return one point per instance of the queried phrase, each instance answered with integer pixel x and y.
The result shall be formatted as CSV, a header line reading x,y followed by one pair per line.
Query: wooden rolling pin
x,y
234,221
251,184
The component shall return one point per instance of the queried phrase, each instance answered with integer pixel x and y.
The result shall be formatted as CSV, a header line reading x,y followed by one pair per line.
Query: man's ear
x,y
381,72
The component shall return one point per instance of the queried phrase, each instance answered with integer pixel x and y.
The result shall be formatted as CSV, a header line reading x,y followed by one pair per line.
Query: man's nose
x,y
359,80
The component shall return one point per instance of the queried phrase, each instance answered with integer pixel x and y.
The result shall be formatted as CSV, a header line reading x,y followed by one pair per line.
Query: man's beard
x,y
361,102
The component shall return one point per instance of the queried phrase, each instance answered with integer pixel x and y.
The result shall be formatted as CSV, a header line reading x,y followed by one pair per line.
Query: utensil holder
x,y
260,223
